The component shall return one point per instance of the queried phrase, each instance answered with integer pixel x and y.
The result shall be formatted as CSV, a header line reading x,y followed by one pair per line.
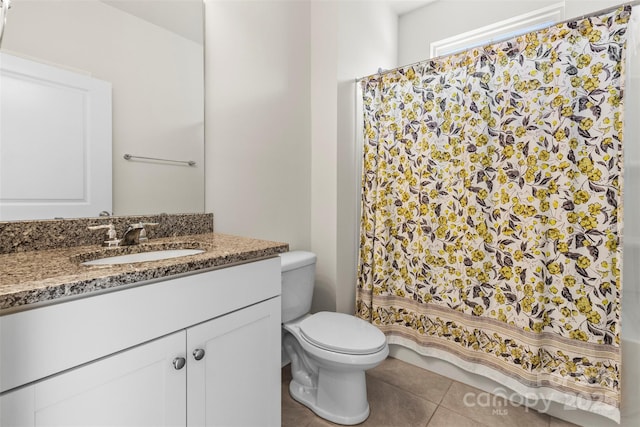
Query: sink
x,y
144,256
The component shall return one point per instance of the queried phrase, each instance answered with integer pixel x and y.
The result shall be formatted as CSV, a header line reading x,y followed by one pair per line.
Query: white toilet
x,y
329,352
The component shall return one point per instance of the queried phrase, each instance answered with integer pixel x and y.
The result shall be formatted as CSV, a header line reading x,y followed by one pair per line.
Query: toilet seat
x,y
342,333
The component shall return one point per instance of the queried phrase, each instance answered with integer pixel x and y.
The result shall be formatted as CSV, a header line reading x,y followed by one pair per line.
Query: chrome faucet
x,y
136,233
131,235
112,240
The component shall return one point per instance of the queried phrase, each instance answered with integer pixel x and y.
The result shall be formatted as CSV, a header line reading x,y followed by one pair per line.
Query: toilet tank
x,y
298,277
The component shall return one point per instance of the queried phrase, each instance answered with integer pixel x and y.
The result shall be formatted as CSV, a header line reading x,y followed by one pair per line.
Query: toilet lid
x,y
342,333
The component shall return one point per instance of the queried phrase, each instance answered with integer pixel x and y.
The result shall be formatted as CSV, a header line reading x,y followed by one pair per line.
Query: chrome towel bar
x,y
187,162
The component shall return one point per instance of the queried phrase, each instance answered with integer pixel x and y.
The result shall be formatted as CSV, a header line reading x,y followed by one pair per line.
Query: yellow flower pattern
x,y
492,189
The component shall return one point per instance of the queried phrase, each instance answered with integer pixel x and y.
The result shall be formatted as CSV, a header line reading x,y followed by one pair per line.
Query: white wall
x,y
157,93
281,130
368,40
349,39
324,158
258,151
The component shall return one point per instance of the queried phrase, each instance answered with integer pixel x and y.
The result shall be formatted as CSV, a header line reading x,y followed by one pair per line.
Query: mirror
x,y
152,53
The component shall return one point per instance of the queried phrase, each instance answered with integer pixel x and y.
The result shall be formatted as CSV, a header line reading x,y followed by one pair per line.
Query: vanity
x,y
191,340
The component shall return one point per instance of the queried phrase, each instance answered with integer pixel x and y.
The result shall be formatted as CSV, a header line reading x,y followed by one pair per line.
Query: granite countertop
x,y
44,276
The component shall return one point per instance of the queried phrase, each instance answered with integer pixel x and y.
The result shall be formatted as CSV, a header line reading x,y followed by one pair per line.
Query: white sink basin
x,y
144,257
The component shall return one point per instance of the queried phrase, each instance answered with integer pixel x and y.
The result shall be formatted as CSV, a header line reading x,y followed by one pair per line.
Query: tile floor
x,y
401,394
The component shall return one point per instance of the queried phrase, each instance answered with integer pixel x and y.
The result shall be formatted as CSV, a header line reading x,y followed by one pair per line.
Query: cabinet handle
x,y
179,362
198,353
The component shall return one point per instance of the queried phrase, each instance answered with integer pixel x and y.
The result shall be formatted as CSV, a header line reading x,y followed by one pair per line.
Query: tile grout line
x,y
438,405
446,391
410,392
477,422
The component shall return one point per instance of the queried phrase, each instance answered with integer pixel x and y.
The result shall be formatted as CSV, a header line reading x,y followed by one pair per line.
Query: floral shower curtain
x,y
492,220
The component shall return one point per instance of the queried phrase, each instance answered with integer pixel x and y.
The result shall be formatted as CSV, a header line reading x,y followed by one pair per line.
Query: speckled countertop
x,y
41,276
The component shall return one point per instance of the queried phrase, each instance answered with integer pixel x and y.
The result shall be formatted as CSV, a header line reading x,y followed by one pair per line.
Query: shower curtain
x,y
491,217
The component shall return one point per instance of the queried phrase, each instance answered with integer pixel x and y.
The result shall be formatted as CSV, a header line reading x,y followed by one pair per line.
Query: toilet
x,y
329,352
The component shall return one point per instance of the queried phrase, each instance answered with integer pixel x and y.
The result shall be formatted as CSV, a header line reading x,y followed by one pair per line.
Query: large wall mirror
x,y
152,53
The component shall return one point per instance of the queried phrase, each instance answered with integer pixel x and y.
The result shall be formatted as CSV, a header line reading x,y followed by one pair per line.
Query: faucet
x,y
143,233
136,233
112,240
131,235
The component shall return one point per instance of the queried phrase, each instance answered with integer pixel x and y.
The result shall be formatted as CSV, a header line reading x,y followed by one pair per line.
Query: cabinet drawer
x,y
43,341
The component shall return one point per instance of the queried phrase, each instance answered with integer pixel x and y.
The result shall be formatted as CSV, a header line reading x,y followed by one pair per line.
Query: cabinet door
x,y
236,381
137,387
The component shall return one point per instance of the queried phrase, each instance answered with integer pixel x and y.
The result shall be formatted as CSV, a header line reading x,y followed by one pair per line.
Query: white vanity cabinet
x,y
198,350
136,387
233,383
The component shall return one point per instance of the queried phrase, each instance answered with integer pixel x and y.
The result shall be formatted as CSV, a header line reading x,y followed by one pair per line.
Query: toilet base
x,y
339,397
332,384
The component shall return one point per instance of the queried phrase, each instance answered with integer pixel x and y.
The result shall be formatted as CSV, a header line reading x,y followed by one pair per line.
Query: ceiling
x,y
177,16
400,7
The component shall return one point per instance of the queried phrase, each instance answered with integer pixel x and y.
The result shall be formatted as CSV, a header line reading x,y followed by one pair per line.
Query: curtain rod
x,y
435,58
